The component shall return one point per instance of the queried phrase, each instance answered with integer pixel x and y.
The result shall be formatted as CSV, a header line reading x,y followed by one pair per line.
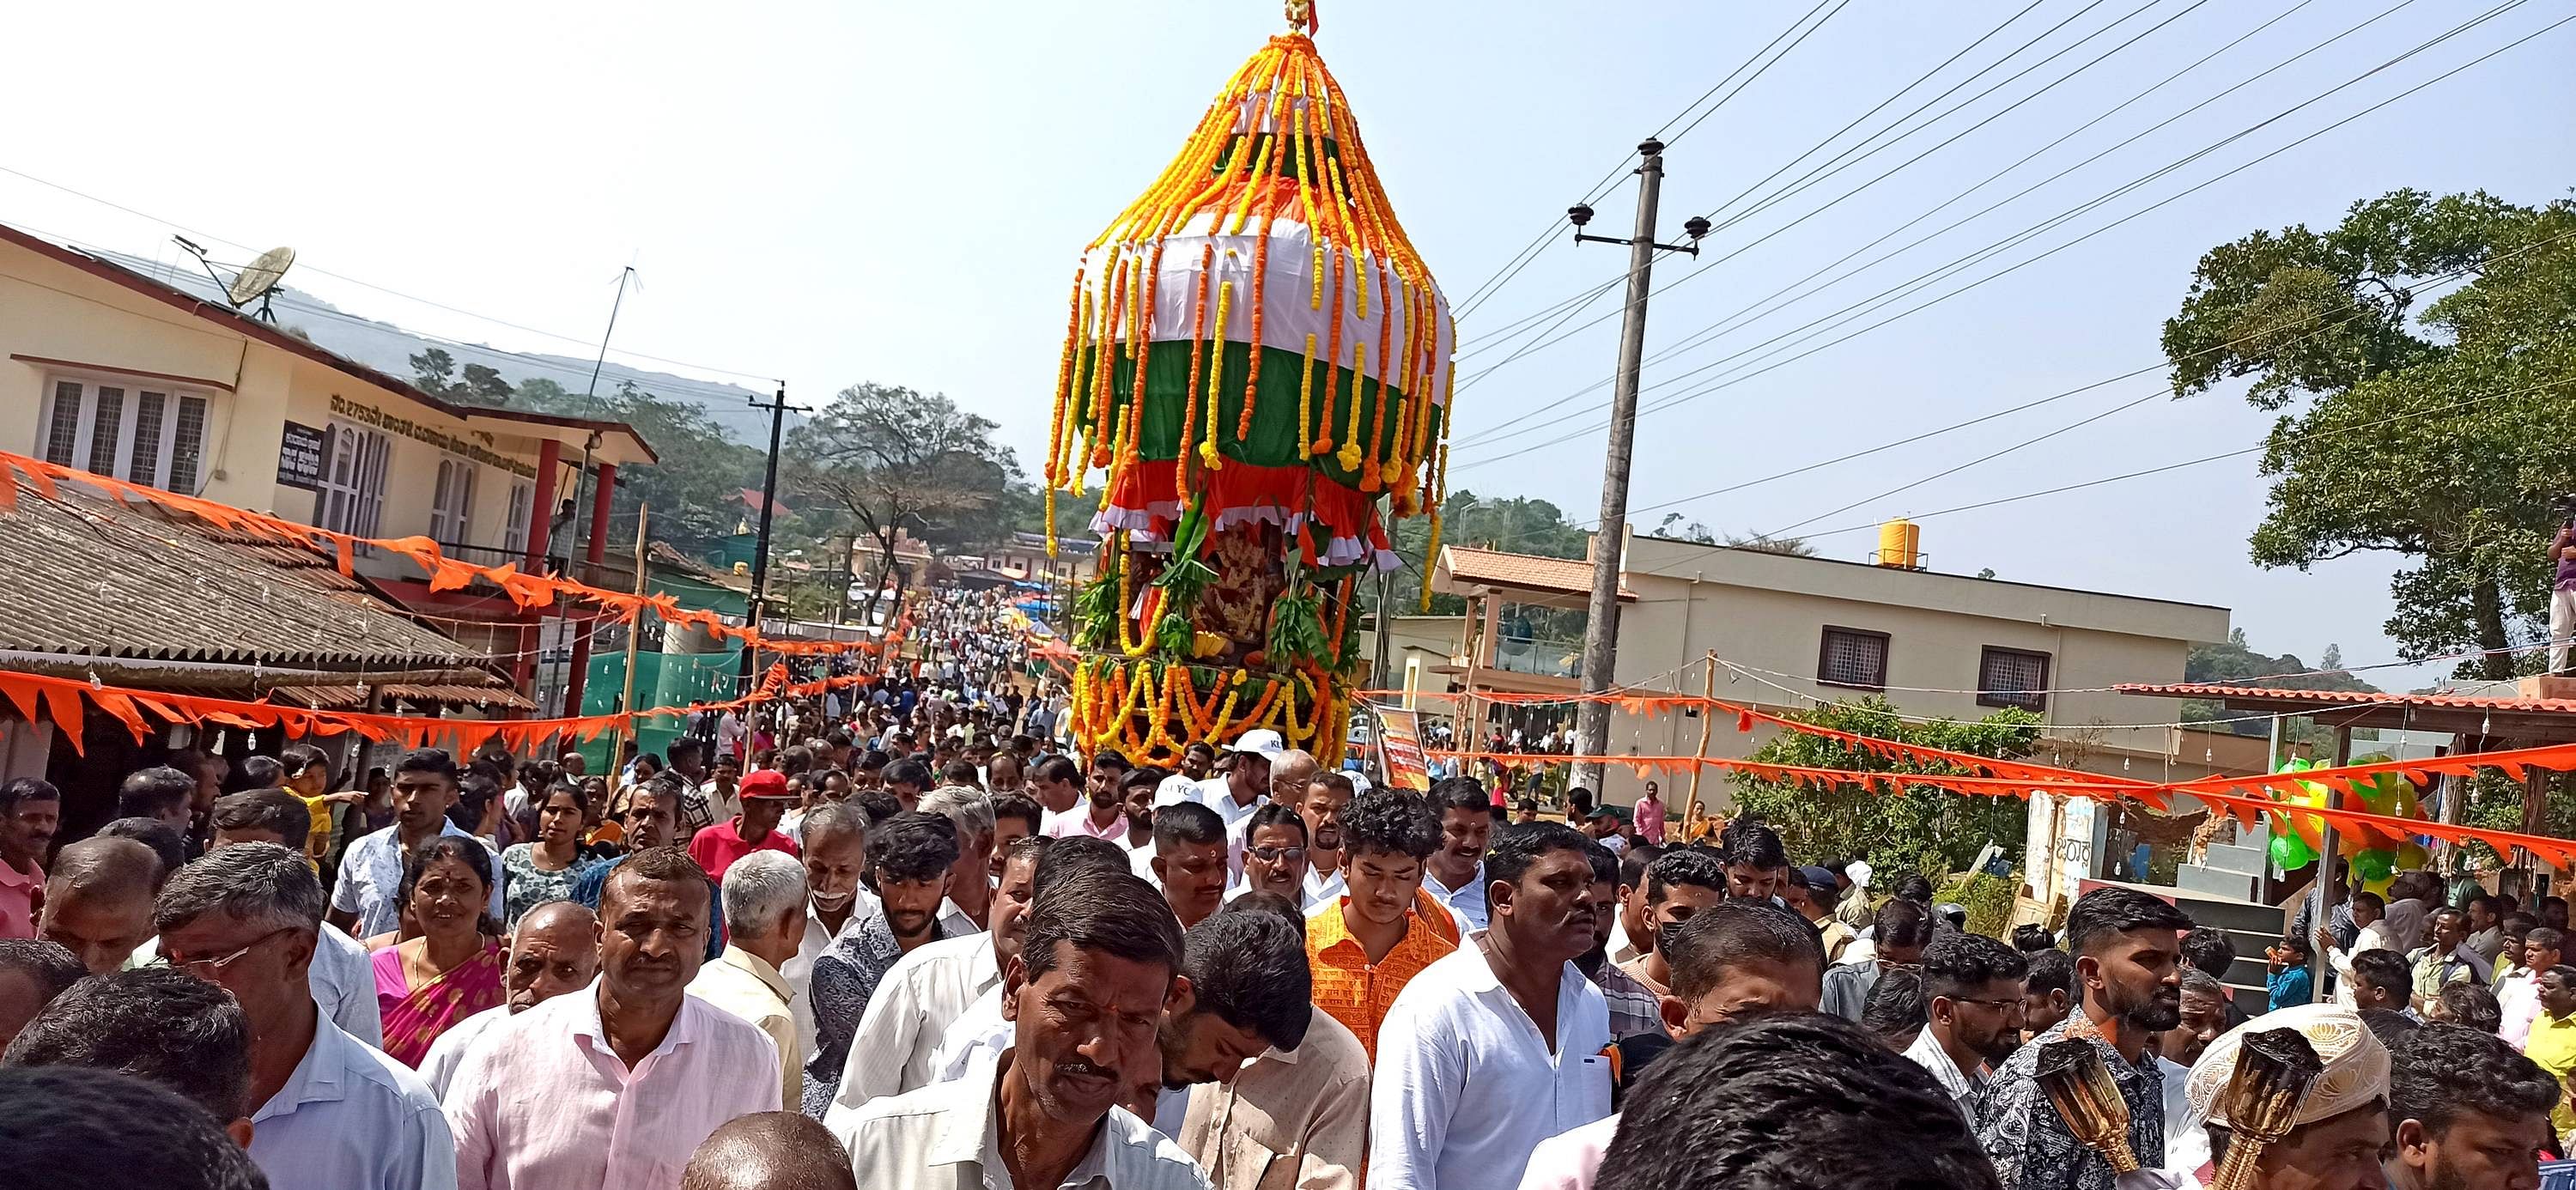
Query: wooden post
x,y
634,637
1708,689
2327,886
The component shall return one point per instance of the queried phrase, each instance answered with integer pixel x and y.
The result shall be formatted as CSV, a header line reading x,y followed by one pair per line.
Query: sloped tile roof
x,y
2455,702
1569,576
96,576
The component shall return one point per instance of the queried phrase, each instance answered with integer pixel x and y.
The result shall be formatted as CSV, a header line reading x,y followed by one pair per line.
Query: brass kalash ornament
x,y
2275,1069
2072,1074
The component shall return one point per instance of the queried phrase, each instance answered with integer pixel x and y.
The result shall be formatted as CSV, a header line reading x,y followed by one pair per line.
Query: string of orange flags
x,y
2366,828
67,702
2241,797
528,591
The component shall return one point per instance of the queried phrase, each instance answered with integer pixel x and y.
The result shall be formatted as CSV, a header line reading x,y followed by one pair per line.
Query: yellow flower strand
x,y
1216,368
1349,457
1306,396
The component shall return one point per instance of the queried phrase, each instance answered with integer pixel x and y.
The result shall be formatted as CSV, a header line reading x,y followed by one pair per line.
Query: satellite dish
x,y
259,279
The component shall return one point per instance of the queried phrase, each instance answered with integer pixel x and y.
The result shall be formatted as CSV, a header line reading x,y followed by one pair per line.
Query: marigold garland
x,y
1276,156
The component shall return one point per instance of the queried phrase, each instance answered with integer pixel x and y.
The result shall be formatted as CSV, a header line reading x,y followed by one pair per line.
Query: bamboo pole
x,y
1708,689
634,636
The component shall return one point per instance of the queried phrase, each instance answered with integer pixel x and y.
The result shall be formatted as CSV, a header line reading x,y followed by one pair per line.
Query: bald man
x,y
1289,773
775,1150
98,901
556,950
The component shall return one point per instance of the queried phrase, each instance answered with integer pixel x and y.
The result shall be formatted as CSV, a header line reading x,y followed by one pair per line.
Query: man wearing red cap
x,y
764,801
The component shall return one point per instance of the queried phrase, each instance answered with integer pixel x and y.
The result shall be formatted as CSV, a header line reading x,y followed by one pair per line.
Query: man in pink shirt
x,y
1650,815
1103,816
764,802
615,1085
30,810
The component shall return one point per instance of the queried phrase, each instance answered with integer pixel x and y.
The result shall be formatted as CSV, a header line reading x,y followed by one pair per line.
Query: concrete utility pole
x,y
760,546
1609,538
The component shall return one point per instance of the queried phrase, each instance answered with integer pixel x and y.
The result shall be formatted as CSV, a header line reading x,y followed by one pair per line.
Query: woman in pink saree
x,y
450,968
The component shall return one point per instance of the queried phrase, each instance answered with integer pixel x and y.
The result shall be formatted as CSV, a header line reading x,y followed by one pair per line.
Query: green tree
x,y
1922,829
2444,437
483,385
1795,547
433,371
884,460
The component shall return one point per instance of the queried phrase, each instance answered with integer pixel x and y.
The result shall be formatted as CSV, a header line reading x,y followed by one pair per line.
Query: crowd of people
x,y
908,941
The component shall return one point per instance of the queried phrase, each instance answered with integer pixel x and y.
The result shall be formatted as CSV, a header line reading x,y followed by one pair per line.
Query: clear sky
x,y
829,193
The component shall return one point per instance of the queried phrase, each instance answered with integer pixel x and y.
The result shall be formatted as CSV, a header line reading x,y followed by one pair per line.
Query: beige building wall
x,y
61,321
1767,614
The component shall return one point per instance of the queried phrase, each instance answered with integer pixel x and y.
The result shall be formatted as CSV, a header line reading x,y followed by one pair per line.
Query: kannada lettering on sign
x,y
368,415
299,456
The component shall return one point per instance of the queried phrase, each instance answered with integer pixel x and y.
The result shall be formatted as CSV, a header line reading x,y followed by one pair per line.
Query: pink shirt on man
x,y
1650,820
19,892
1077,821
542,1100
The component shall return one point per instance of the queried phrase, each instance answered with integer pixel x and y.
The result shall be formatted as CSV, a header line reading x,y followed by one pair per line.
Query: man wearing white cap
x,y
1237,791
2336,1140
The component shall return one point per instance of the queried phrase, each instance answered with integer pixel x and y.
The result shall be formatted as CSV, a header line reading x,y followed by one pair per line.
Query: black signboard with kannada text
x,y
299,456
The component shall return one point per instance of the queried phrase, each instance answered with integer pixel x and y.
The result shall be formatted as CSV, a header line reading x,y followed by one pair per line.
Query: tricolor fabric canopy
x,y
1256,330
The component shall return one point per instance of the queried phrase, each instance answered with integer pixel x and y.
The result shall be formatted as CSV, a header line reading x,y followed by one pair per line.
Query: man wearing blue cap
x,y
1818,907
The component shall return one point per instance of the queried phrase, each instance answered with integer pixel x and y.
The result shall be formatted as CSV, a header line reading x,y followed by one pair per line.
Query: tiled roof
x,y
351,697
2455,702
94,576
1569,576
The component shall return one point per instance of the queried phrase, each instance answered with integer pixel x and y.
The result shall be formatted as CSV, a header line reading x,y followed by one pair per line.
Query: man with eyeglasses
x,y
327,1112
1974,984
1274,854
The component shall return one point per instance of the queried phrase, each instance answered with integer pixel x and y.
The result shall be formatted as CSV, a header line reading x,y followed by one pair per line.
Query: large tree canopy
x,y
2446,436
889,460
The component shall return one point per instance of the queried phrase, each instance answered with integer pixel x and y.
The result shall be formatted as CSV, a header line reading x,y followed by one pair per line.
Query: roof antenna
x,y
257,281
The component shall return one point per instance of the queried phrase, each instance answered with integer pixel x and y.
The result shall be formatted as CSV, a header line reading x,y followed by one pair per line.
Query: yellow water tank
x,y
1900,544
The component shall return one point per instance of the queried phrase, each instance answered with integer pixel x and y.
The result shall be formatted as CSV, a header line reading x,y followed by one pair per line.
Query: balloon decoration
x,y
1257,367
2297,838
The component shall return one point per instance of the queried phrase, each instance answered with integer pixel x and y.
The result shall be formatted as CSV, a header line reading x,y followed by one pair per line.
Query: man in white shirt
x,y
1740,958
1499,1045
927,990
554,952
1326,794
1455,875
1101,958
836,856
979,1032
342,973
1057,783
2519,994
327,1112
365,902
1243,775
1181,786
1718,1112
1974,984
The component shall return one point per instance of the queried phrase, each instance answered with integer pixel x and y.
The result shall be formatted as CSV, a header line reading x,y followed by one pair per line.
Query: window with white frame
x,y
144,433
514,533
352,496
451,503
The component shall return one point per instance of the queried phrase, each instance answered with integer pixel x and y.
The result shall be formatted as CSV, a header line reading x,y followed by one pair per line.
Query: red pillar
x,y
541,512
598,549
